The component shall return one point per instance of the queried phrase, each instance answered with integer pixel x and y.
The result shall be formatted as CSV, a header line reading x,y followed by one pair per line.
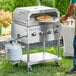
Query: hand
x,y
64,18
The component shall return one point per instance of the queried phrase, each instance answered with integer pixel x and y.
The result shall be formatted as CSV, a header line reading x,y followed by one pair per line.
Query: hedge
x,y
24,3
12,4
62,5
7,4
50,3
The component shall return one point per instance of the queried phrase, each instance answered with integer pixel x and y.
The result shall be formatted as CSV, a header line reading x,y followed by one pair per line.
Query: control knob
x,y
56,31
34,34
49,32
41,33
57,26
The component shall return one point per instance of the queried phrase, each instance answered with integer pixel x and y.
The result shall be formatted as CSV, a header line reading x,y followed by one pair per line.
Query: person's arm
x,y
70,10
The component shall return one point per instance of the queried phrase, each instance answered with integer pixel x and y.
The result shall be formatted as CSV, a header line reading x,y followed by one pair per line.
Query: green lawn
x,y
43,69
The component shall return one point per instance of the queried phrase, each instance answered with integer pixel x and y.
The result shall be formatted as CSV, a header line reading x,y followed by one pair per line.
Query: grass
x,y
43,69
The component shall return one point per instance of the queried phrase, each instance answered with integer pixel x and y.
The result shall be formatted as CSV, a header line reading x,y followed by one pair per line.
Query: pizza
x,y
44,18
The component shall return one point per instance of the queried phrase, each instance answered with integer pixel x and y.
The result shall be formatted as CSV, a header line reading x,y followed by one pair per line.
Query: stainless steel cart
x,y
40,57
25,24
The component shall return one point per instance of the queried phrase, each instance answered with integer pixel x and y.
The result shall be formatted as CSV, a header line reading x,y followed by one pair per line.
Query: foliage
x,y
5,18
7,4
62,5
50,3
22,3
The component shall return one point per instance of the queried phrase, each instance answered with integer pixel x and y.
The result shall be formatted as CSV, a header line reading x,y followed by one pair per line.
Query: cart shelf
x,y
40,57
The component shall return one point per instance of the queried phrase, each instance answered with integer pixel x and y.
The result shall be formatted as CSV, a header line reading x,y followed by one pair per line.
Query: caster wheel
x,y
57,63
16,65
29,69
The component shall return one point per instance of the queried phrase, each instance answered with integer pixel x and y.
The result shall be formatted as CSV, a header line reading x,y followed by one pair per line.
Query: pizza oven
x,y
25,23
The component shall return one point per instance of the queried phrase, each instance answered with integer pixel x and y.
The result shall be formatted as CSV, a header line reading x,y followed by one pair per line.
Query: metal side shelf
x,y
36,58
40,57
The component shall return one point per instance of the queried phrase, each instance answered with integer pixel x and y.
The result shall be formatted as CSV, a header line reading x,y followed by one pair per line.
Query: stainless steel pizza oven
x,y
26,24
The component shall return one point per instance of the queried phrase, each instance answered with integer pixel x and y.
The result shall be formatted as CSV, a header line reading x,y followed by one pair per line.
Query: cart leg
x,y
57,63
43,47
59,48
29,68
16,65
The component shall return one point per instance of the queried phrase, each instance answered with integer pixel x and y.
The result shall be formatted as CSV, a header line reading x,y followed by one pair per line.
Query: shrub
x,y
62,5
22,3
50,3
7,4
